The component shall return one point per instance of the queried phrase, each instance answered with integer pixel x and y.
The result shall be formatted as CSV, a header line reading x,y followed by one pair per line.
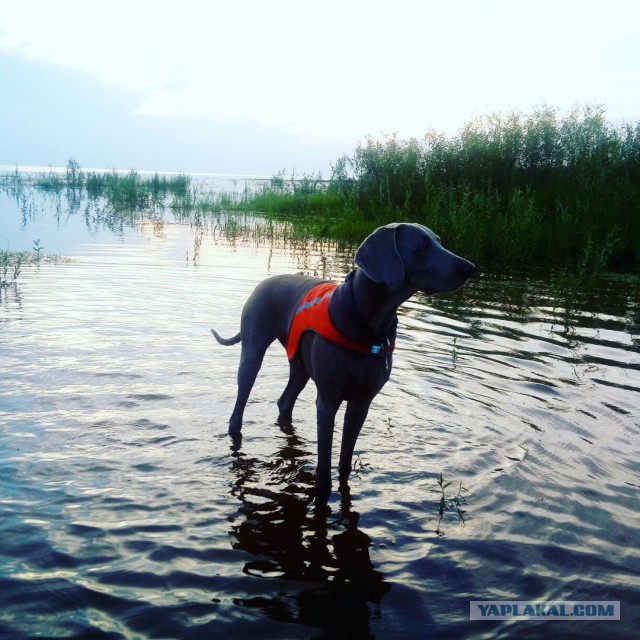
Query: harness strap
x,y
312,314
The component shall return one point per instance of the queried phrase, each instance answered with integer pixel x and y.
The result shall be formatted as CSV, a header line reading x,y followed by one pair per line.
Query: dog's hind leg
x,y
298,379
250,362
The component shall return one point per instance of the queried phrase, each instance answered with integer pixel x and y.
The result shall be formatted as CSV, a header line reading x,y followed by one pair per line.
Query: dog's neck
x,y
377,303
365,310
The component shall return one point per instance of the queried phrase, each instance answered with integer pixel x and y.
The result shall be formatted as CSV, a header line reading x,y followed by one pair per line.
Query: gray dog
x,y
341,336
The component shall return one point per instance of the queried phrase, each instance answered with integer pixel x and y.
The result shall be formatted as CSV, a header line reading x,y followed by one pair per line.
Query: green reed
x,y
515,190
132,192
122,192
508,191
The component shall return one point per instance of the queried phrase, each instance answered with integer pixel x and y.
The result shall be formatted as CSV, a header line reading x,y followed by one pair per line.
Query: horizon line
x,y
56,169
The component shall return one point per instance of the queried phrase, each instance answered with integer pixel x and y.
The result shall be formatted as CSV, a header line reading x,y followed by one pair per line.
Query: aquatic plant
x,y
122,192
12,262
75,178
454,350
7,261
37,249
359,465
453,503
515,190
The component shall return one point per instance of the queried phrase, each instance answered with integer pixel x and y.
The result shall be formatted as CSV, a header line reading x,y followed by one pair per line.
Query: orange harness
x,y
312,314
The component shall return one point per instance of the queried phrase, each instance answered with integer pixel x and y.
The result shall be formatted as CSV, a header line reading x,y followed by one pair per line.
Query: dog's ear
x,y
378,257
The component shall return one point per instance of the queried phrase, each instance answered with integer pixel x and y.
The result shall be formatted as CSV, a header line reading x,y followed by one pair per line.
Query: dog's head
x,y
407,254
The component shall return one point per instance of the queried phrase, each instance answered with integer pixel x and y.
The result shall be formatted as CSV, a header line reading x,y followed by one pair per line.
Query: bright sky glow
x,y
337,71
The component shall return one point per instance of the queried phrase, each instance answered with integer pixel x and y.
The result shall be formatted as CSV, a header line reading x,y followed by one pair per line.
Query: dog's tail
x,y
227,342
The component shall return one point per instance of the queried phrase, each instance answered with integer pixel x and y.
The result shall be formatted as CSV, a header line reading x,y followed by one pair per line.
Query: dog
x,y
348,353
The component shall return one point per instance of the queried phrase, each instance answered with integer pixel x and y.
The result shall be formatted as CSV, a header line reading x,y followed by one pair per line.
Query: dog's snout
x,y
462,272
462,267
468,269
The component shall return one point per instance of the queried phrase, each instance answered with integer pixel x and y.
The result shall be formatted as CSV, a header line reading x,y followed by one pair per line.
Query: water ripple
x,y
126,512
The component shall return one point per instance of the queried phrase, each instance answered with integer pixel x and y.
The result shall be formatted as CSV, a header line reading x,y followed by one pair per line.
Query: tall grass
x,y
122,192
131,192
508,191
515,190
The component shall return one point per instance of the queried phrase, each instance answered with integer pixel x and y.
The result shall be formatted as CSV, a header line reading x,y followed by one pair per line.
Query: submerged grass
x,y
10,267
11,262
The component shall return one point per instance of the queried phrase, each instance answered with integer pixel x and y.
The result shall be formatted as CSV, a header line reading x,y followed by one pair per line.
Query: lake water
x,y
126,513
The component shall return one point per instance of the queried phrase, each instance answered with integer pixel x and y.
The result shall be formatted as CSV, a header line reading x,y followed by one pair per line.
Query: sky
x,y
260,86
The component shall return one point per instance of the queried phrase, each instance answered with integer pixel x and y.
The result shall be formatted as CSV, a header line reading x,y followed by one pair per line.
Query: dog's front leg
x,y
354,418
327,410
298,379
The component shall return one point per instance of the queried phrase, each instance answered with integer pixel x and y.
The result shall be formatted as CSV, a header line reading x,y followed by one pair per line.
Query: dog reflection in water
x,y
293,540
